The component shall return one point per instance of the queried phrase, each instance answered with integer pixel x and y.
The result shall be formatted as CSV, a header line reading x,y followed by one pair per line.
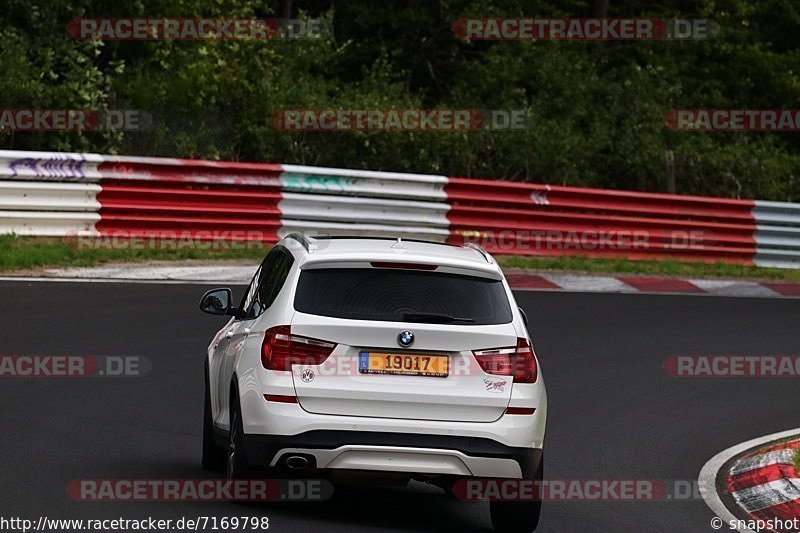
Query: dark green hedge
x,y
596,109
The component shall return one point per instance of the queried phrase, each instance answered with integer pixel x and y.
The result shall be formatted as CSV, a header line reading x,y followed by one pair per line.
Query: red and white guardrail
x,y
59,194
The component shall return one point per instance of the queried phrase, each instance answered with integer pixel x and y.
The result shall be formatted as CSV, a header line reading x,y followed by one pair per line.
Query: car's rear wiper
x,y
434,317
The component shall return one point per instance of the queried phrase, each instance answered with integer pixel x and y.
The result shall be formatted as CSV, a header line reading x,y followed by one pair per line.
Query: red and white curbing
x,y
647,284
546,281
753,486
765,483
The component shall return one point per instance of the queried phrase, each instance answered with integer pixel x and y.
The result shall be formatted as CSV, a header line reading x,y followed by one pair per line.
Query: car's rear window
x,y
402,296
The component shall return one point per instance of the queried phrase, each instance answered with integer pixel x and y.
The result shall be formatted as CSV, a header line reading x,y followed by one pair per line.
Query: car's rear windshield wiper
x,y
434,317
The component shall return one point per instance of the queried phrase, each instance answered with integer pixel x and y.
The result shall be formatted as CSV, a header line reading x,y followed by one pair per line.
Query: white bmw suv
x,y
383,355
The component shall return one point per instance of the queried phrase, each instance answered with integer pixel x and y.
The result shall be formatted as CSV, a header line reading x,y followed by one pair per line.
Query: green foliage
x,y
597,108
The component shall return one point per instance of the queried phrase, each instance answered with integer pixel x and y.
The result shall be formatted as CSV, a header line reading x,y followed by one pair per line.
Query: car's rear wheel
x,y
237,465
518,517
213,456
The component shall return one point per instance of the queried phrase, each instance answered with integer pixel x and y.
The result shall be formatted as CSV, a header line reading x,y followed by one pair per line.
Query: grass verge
x,y
22,253
797,459
19,253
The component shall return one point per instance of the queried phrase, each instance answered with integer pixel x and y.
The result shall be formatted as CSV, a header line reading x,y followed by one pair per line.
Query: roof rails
x,y
306,242
477,248
378,238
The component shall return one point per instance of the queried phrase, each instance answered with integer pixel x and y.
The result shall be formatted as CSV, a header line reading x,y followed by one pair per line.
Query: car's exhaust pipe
x,y
297,462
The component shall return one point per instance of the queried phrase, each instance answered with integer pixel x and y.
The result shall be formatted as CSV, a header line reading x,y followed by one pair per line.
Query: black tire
x,y
517,517
214,456
237,466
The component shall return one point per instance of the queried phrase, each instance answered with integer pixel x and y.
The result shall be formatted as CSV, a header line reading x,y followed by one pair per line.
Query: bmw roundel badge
x,y
405,339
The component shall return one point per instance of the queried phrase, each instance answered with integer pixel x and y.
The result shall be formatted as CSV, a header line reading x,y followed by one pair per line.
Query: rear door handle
x,y
229,334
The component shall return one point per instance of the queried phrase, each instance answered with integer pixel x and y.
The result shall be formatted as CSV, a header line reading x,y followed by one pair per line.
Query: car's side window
x,y
259,277
272,275
269,291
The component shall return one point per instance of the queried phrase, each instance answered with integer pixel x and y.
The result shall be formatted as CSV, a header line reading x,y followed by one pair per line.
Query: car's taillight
x,y
496,360
525,362
518,361
281,349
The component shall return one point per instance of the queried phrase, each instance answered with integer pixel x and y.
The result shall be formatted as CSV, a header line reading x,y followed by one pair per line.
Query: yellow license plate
x,y
404,364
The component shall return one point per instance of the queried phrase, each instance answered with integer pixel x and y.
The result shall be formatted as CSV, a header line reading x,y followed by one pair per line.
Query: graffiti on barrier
x,y
317,183
53,167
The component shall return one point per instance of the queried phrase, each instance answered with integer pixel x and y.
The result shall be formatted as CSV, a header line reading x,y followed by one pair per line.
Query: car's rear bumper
x,y
396,452
261,417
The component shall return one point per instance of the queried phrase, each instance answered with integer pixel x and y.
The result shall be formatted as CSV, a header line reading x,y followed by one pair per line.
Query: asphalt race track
x,y
614,412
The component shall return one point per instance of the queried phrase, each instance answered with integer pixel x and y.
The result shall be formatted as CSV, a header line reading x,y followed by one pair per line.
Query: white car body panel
x,y
341,399
339,388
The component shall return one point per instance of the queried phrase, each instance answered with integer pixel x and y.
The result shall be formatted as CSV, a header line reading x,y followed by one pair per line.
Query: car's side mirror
x,y
524,316
217,302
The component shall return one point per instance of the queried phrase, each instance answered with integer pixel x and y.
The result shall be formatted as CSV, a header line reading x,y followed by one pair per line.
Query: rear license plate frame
x,y
364,366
